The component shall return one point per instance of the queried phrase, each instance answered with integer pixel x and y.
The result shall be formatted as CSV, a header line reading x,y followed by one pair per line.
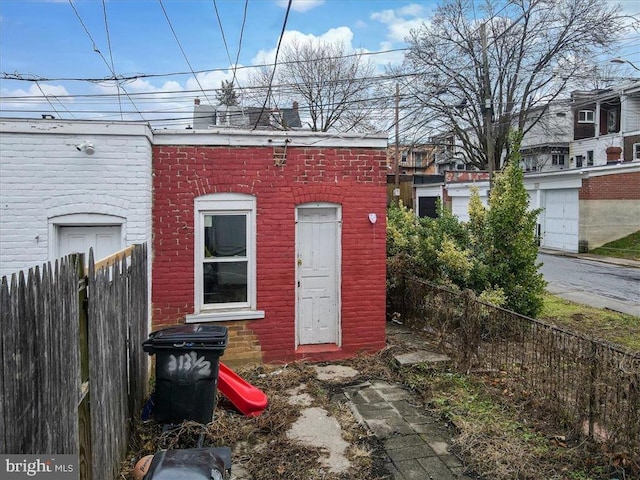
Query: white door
x,y
561,219
104,240
460,208
317,271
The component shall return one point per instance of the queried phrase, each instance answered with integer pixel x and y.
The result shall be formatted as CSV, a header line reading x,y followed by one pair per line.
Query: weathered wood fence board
x,y
73,372
40,361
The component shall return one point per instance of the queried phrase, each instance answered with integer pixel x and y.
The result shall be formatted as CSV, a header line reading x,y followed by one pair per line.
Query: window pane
x,y
225,282
225,236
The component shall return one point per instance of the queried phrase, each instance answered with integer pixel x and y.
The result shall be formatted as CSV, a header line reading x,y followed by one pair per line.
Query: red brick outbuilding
x,y
280,236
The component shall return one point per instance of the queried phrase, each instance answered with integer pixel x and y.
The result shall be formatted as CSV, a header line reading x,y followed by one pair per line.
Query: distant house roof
x,y
628,87
207,116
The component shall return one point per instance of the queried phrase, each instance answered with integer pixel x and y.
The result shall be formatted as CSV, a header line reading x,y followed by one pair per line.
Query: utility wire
x,y
93,42
47,99
97,50
224,39
113,68
28,77
183,52
275,63
244,21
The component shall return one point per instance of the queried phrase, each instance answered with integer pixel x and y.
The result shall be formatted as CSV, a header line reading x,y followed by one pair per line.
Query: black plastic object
x,y
187,363
191,464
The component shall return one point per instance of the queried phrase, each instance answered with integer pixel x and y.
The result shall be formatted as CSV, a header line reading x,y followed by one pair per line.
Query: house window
x,y
225,257
586,116
579,160
225,262
636,151
612,121
404,157
530,163
589,158
558,159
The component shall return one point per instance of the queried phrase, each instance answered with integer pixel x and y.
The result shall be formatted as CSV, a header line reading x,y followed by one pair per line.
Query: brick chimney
x,y
613,154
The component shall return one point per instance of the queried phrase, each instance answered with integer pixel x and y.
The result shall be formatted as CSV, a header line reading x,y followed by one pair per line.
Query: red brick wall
x,y
623,186
353,178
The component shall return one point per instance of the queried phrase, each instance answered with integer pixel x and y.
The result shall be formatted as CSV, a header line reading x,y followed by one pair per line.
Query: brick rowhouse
x,y
354,178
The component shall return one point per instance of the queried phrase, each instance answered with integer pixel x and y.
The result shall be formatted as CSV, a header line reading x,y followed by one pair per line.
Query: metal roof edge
x,y
268,138
75,127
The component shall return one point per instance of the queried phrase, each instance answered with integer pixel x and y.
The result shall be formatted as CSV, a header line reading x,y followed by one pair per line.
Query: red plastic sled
x,y
250,400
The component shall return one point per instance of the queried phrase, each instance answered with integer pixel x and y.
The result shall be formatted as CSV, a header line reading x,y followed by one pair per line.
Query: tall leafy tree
x,y
509,241
533,50
227,94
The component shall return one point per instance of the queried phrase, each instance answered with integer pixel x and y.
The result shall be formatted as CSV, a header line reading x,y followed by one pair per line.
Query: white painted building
x,y
606,125
581,209
545,146
68,185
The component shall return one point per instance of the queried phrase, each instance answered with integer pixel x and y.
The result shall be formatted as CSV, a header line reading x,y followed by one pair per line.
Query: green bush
x,y
494,253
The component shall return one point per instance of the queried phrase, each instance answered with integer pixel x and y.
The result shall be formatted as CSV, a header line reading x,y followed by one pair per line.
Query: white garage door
x,y
560,229
460,208
104,240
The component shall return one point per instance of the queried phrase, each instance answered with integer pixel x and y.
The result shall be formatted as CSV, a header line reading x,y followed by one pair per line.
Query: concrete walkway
x,y
416,445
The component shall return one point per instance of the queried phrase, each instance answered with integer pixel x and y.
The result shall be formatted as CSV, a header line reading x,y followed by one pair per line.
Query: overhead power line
x,y
97,50
175,35
224,39
244,21
275,62
113,68
30,77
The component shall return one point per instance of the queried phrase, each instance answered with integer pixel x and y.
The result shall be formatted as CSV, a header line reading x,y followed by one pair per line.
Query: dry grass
x,y
260,445
498,434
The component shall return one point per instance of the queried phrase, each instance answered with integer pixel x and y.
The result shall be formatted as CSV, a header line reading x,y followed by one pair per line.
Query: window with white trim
x,y
636,151
558,159
225,253
586,116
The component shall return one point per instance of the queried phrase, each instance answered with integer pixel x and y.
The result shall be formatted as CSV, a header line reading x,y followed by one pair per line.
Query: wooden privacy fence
x,y
73,370
591,385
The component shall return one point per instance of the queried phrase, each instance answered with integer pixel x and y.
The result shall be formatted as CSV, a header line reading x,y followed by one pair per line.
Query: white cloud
x,y
342,35
414,10
300,5
401,21
361,24
32,99
34,91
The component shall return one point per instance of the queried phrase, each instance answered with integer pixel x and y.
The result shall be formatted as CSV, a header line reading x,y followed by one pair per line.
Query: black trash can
x,y
191,464
187,362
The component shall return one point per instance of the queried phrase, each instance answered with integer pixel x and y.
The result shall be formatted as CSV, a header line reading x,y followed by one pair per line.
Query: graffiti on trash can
x,y
188,362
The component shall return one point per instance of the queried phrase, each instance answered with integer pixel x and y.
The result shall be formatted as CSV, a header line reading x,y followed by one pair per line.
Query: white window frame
x,y
230,204
636,152
586,116
558,159
612,121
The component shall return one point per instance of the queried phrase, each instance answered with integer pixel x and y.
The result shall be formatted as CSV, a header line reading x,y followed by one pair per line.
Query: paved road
x,y
593,283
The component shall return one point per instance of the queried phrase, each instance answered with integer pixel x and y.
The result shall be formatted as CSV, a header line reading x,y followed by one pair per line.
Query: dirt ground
x,y
497,436
260,446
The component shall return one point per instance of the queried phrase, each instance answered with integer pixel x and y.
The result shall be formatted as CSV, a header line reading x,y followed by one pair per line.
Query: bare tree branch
x,y
536,49
330,88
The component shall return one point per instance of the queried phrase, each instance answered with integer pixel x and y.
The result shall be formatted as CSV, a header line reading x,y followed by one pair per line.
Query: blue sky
x,y
46,38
